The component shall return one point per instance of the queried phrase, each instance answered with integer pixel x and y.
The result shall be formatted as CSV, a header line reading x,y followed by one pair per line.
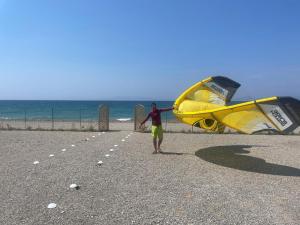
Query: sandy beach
x,y
88,88
200,179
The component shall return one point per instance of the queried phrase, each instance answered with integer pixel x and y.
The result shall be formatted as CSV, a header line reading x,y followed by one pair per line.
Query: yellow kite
x,y
207,105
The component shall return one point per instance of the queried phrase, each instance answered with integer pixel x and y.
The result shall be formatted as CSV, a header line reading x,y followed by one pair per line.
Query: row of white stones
x,y
53,205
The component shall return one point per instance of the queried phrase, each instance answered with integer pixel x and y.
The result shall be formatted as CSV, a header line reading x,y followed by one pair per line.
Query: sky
x,y
146,49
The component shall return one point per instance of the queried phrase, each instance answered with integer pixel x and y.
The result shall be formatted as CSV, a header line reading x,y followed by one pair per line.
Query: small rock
x,y
36,162
74,186
51,206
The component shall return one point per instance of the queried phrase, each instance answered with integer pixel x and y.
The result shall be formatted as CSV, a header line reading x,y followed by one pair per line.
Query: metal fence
x,y
50,119
80,120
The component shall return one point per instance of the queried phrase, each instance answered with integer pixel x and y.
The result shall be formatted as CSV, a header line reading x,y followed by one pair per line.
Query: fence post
x,y
80,118
166,125
103,118
25,118
139,116
52,118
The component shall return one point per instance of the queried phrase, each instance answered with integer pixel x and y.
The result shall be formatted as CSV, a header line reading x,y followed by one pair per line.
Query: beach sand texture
x,y
200,179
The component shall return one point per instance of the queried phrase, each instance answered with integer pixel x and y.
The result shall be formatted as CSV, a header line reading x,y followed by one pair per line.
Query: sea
x,y
73,110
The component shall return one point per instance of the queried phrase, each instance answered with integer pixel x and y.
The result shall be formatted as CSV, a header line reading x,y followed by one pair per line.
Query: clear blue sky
x,y
146,49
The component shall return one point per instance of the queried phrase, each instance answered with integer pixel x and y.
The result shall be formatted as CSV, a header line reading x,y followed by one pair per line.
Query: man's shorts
x,y
157,131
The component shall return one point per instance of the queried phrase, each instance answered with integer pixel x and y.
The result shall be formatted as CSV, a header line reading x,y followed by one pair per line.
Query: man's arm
x,y
166,109
145,119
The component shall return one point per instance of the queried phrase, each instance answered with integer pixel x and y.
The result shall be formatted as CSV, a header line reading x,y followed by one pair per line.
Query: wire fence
x,y
75,120
49,119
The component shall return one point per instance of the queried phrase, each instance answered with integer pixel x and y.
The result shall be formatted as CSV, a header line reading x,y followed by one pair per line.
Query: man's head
x,y
153,106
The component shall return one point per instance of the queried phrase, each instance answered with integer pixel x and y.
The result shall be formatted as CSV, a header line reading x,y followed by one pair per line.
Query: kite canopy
x,y
205,105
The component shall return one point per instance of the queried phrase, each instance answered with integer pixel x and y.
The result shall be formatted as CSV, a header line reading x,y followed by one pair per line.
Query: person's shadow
x,y
233,156
172,153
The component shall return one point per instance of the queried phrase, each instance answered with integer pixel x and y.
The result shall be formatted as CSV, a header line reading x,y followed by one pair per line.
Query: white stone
x,y
107,155
63,150
72,186
100,162
36,162
51,155
51,206
111,150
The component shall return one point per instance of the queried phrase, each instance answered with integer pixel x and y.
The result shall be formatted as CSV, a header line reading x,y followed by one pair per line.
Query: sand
x,y
201,179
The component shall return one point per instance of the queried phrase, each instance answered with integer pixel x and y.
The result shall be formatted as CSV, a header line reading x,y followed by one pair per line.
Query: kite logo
x,y
279,117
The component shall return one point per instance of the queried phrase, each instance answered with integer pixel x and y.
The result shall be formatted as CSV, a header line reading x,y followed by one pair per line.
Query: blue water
x,y
72,110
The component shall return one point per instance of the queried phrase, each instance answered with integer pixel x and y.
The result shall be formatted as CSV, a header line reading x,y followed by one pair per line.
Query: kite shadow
x,y
233,156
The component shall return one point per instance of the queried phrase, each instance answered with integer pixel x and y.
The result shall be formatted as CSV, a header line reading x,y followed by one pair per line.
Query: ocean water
x,y
73,110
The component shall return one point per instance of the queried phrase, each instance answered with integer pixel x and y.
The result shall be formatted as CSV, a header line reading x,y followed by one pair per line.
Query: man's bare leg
x,y
155,145
159,143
